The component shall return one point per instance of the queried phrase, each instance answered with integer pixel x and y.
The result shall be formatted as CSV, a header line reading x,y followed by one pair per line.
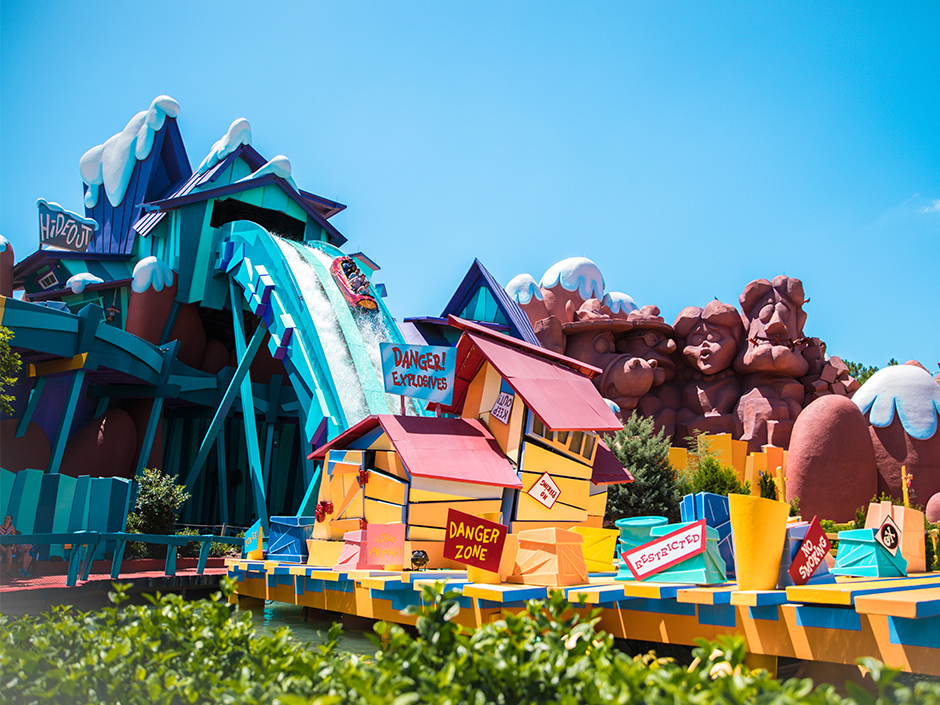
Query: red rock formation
x,y
831,464
104,447
31,451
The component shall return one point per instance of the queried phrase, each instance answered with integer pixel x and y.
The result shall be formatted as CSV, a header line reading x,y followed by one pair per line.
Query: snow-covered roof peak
x,y
151,272
618,302
112,163
522,288
576,273
279,166
239,133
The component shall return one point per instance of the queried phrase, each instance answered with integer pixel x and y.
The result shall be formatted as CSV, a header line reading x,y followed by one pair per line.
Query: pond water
x,y
274,615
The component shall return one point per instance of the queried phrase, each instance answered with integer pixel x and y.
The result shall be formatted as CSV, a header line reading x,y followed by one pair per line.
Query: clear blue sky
x,y
687,148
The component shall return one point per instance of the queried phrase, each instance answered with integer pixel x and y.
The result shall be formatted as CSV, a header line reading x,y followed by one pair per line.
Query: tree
x,y
156,510
10,364
859,371
645,453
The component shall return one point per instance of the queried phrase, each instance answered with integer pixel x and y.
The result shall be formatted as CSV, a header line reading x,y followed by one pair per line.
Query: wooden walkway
x,y
896,620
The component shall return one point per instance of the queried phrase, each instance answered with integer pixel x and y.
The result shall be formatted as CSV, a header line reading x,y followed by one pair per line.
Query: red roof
x,y
564,399
607,469
459,450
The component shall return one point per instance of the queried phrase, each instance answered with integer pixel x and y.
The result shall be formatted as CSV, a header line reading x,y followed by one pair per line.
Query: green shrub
x,y
768,488
175,651
155,511
712,476
645,453
216,550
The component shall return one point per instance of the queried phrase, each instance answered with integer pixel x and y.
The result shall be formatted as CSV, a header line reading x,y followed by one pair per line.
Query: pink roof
x,y
564,399
458,450
607,469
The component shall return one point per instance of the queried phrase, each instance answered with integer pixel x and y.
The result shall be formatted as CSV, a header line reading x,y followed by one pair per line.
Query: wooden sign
x,y
384,544
63,229
474,541
420,371
810,555
666,551
503,407
545,491
889,535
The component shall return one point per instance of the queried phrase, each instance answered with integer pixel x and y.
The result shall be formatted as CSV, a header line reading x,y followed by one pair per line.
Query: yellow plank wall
x,y
732,453
507,435
572,478
482,392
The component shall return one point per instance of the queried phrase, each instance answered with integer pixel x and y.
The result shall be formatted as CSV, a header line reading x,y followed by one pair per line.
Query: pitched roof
x,y
556,388
319,208
607,469
457,450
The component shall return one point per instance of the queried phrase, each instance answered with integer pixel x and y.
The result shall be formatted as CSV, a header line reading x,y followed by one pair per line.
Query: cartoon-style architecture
x,y
207,322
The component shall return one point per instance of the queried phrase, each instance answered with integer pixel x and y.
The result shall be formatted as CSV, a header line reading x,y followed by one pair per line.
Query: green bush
x,y
712,476
155,511
645,453
768,488
216,550
175,651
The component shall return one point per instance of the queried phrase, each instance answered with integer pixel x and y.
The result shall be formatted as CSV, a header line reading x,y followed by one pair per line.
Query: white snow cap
x,y
239,132
909,389
619,302
151,272
279,166
614,406
78,282
112,163
4,244
523,288
56,208
576,273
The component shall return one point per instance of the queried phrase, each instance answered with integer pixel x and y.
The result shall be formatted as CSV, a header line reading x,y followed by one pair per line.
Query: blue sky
x,y
686,148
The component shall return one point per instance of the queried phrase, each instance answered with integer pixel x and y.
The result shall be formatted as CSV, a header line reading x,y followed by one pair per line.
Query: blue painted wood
x,y
170,568
225,405
117,558
78,517
7,478
151,431
223,477
71,402
24,500
203,556
34,394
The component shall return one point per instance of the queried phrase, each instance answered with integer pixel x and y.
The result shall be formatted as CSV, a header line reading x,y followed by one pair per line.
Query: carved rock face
x,y
709,337
652,346
773,318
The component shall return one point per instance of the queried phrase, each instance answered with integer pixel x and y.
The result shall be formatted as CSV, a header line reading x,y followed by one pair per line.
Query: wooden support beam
x,y
225,405
223,477
27,416
65,425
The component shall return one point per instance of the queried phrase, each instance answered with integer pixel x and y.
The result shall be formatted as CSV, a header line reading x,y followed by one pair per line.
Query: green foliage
x,y
795,507
712,476
828,526
174,651
10,364
930,553
768,488
859,371
216,550
860,515
645,453
156,510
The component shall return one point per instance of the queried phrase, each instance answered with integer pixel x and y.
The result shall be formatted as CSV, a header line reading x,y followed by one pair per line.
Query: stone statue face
x,y
653,346
710,348
774,318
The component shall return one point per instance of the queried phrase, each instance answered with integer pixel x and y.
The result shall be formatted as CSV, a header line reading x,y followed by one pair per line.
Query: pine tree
x,y
645,453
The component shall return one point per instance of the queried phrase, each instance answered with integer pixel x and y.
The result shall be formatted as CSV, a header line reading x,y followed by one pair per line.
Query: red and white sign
x,y
474,541
666,551
889,535
810,555
503,407
545,491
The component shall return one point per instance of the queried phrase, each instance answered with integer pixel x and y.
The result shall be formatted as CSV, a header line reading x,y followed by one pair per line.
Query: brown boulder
x,y
30,451
831,463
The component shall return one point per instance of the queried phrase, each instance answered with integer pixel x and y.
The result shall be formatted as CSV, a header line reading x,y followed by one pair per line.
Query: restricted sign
x,y
503,407
666,551
545,491
889,535
810,555
474,541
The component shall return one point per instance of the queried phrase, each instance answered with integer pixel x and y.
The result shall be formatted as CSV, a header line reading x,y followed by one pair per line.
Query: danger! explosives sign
x,y
474,541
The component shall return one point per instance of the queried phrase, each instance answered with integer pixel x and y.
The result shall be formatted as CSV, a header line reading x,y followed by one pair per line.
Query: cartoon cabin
x,y
524,447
